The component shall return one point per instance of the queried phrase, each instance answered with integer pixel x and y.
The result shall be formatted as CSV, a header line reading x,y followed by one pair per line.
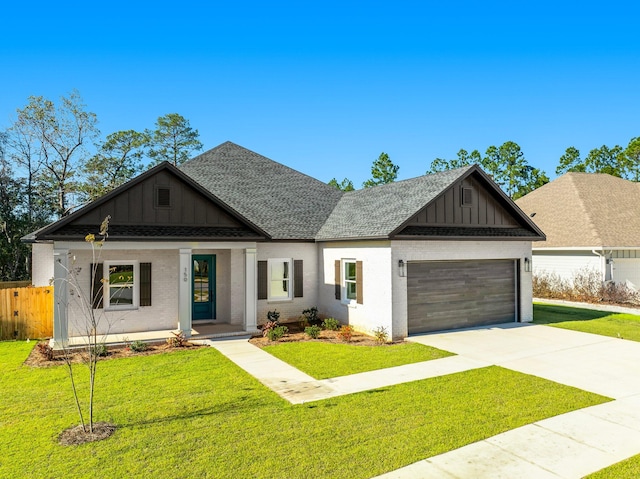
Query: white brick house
x,y
231,235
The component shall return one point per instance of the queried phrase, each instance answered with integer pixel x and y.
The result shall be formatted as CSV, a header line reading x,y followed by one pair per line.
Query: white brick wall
x,y
162,314
41,264
376,310
291,310
458,250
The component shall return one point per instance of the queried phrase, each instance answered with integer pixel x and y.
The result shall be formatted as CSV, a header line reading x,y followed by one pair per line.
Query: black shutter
x,y
337,281
298,277
262,280
359,282
145,284
97,287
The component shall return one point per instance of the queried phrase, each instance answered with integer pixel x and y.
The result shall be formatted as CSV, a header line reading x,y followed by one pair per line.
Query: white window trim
x,y
107,287
270,263
343,281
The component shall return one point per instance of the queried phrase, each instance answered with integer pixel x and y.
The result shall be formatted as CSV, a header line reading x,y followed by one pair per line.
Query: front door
x,y
204,286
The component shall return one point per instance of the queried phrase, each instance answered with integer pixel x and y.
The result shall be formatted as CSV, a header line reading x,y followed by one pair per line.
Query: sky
x,y
325,87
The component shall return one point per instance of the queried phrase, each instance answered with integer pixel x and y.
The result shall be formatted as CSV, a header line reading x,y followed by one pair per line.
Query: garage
x,y
460,294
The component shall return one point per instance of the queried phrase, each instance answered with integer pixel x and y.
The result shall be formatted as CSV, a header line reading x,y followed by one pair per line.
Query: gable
x,y
470,207
159,204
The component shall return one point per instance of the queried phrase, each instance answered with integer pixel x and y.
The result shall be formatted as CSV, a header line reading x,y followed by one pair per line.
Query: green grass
x,y
617,325
627,469
330,360
195,414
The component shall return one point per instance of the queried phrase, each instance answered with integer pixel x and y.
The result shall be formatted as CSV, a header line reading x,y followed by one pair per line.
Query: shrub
x,y
178,340
276,333
331,324
45,350
311,315
345,333
138,346
381,335
273,316
101,350
268,326
313,331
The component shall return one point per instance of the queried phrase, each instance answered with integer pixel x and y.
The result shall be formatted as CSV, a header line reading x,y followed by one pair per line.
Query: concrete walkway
x,y
566,446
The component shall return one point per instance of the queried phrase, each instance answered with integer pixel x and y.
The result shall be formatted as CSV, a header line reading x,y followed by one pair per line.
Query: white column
x,y
184,292
60,297
250,290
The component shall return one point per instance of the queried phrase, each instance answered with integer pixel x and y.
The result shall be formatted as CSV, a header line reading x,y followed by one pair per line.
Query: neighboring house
x,y
592,221
231,235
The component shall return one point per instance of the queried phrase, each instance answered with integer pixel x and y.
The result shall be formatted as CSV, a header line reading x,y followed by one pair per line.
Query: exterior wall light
x,y
527,265
401,266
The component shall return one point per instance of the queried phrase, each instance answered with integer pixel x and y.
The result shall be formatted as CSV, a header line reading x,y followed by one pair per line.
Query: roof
x,y
593,210
285,203
378,211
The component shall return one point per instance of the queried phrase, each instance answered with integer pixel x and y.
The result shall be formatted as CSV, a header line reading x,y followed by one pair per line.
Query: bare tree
x,y
60,134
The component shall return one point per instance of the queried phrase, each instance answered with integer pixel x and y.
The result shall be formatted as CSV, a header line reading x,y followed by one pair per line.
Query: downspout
x,y
603,271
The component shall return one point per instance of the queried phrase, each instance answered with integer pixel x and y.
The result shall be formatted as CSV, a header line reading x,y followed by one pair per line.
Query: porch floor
x,y
198,331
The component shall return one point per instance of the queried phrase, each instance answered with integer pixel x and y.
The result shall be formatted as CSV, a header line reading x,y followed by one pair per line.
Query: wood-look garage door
x,y
460,294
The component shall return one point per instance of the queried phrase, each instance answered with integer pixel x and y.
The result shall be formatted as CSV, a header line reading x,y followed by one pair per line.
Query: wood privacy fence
x,y
26,313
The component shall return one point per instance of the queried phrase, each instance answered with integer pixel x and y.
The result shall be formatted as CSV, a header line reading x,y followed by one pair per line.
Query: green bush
x,y
381,335
101,350
138,346
276,333
331,324
313,331
311,315
178,340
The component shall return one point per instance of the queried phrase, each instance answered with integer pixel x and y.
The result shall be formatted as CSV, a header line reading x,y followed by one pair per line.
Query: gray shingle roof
x,y
586,210
378,211
285,203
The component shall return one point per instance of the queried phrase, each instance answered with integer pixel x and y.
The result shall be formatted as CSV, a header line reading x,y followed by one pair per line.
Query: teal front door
x,y
204,286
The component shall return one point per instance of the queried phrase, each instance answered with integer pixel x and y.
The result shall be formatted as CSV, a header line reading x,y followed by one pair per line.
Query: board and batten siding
x,y
447,209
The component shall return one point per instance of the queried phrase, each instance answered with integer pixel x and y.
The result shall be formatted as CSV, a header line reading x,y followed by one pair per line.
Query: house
x,y
231,235
591,221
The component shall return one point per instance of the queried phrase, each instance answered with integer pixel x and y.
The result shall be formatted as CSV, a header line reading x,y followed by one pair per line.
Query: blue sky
x,y
325,87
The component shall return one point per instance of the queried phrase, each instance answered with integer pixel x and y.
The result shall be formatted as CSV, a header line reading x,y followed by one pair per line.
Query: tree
x,y
118,160
570,161
464,159
14,222
173,140
506,164
383,171
632,155
607,160
59,134
344,185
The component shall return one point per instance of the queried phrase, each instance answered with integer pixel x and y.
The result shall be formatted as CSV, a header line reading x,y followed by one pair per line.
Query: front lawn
x,y
195,414
616,325
627,469
330,360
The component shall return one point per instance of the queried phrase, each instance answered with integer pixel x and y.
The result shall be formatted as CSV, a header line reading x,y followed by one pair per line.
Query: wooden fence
x,y
26,313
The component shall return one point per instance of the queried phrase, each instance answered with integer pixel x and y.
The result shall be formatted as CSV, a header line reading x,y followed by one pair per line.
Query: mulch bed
x,y
296,334
36,359
77,435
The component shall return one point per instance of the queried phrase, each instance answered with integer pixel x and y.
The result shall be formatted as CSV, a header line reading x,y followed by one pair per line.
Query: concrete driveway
x,y
570,445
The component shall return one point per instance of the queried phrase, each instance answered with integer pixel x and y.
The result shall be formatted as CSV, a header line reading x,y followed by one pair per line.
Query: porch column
x,y
184,292
60,297
250,290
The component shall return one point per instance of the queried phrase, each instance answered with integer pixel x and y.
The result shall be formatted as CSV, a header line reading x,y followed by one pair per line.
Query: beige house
x,y
591,220
231,235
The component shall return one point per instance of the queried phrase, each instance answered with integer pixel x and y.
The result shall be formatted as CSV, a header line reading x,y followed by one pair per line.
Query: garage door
x,y
460,294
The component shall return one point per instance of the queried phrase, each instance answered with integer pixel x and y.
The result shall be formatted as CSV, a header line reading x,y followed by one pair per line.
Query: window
x,y
350,285
121,284
280,273
349,281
